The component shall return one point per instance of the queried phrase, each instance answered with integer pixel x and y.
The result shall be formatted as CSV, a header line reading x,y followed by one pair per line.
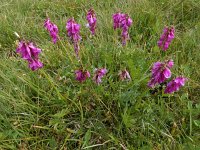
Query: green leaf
x,y
87,138
197,123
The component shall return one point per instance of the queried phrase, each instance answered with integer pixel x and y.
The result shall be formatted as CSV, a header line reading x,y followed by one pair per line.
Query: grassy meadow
x,y
49,109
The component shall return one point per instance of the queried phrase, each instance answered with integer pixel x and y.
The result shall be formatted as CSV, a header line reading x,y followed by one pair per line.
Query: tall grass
x,y
48,109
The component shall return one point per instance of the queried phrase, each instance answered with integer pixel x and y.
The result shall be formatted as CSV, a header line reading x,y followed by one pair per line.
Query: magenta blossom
x,y
124,74
73,31
28,50
160,72
99,73
166,38
82,75
53,30
175,85
30,53
122,21
35,64
126,22
92,20
116,20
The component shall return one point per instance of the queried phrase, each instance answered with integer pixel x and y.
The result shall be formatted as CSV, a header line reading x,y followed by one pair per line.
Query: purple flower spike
x,y
166,38
116,20
82,75
53,30
92,20
124,74
122,21
160,72
99,73
30,53
175,85
126,22
73,31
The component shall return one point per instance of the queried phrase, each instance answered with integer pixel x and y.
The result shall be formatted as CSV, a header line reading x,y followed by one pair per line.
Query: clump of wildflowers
x,y
124,74
122,21
160,72
82,75
73,31
30,53
166,38
53,30
175,85
92,20
99,73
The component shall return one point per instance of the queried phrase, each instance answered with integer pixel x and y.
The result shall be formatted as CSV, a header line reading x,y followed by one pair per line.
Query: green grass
x,y
48,109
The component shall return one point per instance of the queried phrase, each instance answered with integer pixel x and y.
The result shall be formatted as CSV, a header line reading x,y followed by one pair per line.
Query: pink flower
x,y
166,38
116,20
73,31
53,30
175,85
24,50
160,72
30,53
125,21
35,64
82,75
92,20
122,21
124,74
170,63
28,50
99,73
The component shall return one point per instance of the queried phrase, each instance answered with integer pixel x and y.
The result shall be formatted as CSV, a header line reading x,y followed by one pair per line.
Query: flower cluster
x,y
73,31
82,75
116,20
161,72
30,53
92,20
124,74
122,21
53,30
99,73
175,85
166,38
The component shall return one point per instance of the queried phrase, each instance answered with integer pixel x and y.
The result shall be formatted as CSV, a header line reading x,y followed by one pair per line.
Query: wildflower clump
x,y
30,52
160,71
